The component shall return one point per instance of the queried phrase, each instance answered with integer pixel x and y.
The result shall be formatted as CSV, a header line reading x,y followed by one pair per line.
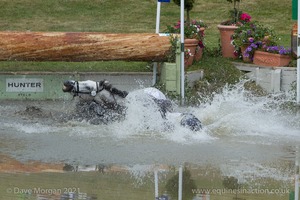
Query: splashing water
x,y
234,112
237,112
237,126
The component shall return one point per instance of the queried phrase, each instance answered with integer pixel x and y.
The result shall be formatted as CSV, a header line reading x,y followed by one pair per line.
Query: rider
x,y
166,110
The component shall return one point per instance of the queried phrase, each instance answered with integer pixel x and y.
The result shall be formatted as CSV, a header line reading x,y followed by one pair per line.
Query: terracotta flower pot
x,y
225,33
267,59
190,44
198,53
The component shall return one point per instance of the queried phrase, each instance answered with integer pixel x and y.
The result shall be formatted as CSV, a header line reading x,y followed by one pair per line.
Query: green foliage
x,y
212,51
102,66
171,55
253,33
188,6
230,1
218,72
235,14
256,36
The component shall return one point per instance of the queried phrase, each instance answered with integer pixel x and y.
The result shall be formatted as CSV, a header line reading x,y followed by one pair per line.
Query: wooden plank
x,y
82,46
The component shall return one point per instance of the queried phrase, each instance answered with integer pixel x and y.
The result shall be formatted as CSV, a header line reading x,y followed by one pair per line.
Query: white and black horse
x,y
104,100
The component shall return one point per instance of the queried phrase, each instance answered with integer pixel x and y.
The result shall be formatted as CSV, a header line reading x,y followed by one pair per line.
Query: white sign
x,y
24,85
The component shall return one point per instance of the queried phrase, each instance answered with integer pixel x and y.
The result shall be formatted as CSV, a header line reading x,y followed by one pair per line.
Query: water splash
x,y
248,172
234,112
235,118
238,112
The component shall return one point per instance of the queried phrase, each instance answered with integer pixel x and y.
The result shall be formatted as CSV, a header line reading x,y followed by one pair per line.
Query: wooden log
x,y
82,46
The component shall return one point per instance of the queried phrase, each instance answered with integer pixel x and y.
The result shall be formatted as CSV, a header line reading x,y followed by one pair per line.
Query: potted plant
x,y
226,28
247,38
266,52
192,29
258,42
196,51
272,56
193,34
201,26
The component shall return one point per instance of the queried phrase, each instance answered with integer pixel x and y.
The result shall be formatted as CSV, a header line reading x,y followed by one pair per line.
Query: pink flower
x,y
245,17
177,26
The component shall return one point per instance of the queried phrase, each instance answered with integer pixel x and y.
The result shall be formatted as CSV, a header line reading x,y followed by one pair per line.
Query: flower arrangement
x,y
188,57
259,45
187,53
200,26
245,17
277,50
249,51
272,56
254,31
192,29
252,36
237,17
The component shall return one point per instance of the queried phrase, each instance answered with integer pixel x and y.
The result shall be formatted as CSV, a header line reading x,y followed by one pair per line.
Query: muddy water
x,y
246,137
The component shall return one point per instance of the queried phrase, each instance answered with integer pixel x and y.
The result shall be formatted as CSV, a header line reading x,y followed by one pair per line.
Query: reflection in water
x,y
297,176
246,150
174,184
133,182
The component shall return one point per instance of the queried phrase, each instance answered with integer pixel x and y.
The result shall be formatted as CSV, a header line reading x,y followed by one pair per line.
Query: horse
x,y
102,99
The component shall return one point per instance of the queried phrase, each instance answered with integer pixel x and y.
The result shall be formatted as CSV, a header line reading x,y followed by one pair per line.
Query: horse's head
x,y
69,86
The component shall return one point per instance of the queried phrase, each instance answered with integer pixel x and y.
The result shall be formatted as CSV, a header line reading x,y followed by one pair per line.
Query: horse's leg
x,y
96,107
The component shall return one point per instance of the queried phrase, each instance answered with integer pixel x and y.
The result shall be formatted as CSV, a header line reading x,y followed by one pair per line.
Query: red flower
x,y
245,17
177,26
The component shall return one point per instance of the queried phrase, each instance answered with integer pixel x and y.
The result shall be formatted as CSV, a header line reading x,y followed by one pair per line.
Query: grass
x,y
130,16
111,66
126,17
